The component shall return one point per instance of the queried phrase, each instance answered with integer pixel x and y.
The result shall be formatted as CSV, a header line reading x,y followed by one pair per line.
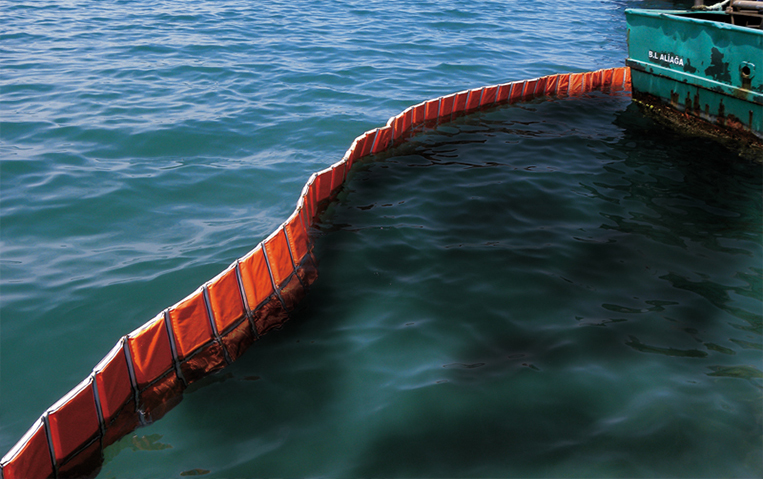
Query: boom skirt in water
x,y
144,375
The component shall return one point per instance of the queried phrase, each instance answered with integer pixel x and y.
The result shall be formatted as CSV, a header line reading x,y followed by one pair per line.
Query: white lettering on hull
x,y
666,58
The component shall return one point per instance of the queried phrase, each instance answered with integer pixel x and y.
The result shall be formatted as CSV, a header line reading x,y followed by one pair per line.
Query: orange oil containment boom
x,y
145,373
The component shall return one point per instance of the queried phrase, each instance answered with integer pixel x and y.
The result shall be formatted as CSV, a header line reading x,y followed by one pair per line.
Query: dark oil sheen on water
x,y
555,289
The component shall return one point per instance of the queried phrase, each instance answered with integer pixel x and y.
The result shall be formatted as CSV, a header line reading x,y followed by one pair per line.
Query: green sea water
x,y
555,289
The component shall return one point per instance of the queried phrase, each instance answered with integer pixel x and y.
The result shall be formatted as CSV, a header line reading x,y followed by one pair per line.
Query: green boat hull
x,y
699,65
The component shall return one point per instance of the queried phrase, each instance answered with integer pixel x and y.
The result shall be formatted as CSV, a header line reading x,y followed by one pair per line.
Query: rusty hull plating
x,y
700,64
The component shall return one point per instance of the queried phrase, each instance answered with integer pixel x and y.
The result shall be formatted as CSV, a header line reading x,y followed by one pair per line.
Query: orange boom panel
x,y
595,81
323,182
337,176
113,380
382,141
503,93
190,324
446,106
255,278
606,78
225,300
277,250
150,351
357,150
419,114
576,83
489,95
432,109
298,239
564,84
370,137
399,126
540,87
618,79
552,83
516,91
529,92
31,456
459,104
73,421
474,99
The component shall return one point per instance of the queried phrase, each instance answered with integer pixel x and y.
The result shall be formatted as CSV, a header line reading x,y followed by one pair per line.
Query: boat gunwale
x,y
684,16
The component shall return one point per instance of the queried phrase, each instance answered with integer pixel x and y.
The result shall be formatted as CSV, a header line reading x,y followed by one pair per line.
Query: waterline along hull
x,y
699,64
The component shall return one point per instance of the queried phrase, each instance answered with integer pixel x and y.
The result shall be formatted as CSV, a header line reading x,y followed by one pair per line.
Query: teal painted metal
x,y
699,64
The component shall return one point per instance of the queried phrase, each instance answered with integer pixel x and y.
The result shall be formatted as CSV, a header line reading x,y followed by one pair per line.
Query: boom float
x,y
144,375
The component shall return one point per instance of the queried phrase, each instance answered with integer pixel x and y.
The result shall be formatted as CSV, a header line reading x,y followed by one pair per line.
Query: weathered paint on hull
x,y
700,66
